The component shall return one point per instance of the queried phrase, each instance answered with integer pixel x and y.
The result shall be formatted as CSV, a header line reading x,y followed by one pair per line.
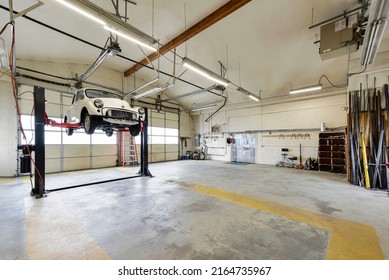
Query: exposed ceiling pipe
x,y
344,14
214,113
112,50
142,86
378,17
205,107
25,11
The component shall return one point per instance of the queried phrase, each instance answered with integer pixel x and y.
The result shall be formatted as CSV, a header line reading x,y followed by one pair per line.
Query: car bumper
x,y
120,116
120,122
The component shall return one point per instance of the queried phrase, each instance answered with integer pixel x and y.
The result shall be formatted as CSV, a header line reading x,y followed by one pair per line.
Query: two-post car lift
x,y
41,119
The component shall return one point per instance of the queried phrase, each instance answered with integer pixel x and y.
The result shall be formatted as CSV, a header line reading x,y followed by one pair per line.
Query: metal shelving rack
x,y
332,152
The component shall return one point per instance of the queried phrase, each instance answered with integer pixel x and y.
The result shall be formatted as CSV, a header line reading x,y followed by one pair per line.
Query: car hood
x,y
114,103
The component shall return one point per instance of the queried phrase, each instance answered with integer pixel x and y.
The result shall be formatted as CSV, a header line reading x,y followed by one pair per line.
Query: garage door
x,y
65,153
163,133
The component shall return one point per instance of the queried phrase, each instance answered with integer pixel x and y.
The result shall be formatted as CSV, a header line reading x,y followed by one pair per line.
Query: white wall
x,y
303,114
270,121
8,129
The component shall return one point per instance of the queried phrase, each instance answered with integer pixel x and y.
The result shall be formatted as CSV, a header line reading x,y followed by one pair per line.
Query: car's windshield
x,y
95,93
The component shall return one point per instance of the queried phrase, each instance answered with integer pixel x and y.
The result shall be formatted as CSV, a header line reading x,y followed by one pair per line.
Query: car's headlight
x,y
141,110
98,103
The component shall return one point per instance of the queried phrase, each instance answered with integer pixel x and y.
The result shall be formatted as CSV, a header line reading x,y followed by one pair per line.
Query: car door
x,y
76,107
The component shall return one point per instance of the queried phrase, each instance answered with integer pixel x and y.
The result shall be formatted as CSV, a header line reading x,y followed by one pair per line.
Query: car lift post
x,y
39,189
144,149
39,105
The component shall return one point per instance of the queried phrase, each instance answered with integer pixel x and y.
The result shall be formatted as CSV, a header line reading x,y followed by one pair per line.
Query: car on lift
x,y
99,109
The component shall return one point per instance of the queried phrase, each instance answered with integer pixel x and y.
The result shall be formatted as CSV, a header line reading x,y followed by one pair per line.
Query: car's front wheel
x,y
90,123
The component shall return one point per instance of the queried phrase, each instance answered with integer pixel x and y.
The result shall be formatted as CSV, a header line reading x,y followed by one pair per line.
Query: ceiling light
x,y
142,86
130,38
110,22
79,9
151,92
203,107
147,93
205,72
249,94
306,89
254,97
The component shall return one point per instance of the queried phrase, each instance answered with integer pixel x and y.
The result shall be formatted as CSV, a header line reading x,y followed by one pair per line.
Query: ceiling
x,y
265,45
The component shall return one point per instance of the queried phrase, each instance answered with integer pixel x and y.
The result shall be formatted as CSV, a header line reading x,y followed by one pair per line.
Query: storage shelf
x,y
332,155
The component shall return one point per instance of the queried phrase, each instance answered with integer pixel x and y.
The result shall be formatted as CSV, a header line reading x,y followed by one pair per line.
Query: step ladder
x,y
129,150
133,153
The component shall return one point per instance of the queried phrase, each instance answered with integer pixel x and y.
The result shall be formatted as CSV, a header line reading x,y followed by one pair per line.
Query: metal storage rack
x,y
332,152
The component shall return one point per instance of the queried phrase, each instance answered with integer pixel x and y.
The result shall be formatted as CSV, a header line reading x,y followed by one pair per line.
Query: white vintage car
x,y
95,108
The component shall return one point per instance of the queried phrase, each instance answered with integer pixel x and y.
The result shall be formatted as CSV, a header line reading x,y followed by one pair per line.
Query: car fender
x,y
91,108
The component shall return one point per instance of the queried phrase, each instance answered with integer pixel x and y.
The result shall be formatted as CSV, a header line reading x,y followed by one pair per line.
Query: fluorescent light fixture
x,y
130,38
205,72
142,86
110,22
378,17
253,97
205,107
306,89
4,62
80,9
249,94
148,93
151,92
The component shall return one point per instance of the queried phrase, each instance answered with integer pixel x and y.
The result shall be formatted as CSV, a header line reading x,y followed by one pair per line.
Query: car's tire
x,y
69,131
89,123
109,133
135,129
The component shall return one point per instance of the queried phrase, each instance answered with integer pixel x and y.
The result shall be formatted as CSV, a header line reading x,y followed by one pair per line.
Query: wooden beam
x,y
208,21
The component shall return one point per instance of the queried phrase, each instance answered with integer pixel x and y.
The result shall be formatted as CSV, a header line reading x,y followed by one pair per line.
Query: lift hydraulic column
x,y
39,105
144,149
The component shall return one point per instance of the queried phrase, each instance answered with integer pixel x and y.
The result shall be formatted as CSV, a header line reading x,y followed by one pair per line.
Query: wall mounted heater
x,y
339,38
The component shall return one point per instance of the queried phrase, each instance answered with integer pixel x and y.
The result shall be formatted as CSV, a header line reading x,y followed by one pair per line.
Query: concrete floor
x,y
195,210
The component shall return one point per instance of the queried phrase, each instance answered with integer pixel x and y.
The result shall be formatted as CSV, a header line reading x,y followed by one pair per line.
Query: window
x,y
94,93
160,135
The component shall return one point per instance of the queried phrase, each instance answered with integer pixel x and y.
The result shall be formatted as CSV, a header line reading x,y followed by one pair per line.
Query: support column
x,y
144,149
39,105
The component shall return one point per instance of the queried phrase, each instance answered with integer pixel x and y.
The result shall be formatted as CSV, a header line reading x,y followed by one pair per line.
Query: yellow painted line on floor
x,y
348,240
58,235
13,180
